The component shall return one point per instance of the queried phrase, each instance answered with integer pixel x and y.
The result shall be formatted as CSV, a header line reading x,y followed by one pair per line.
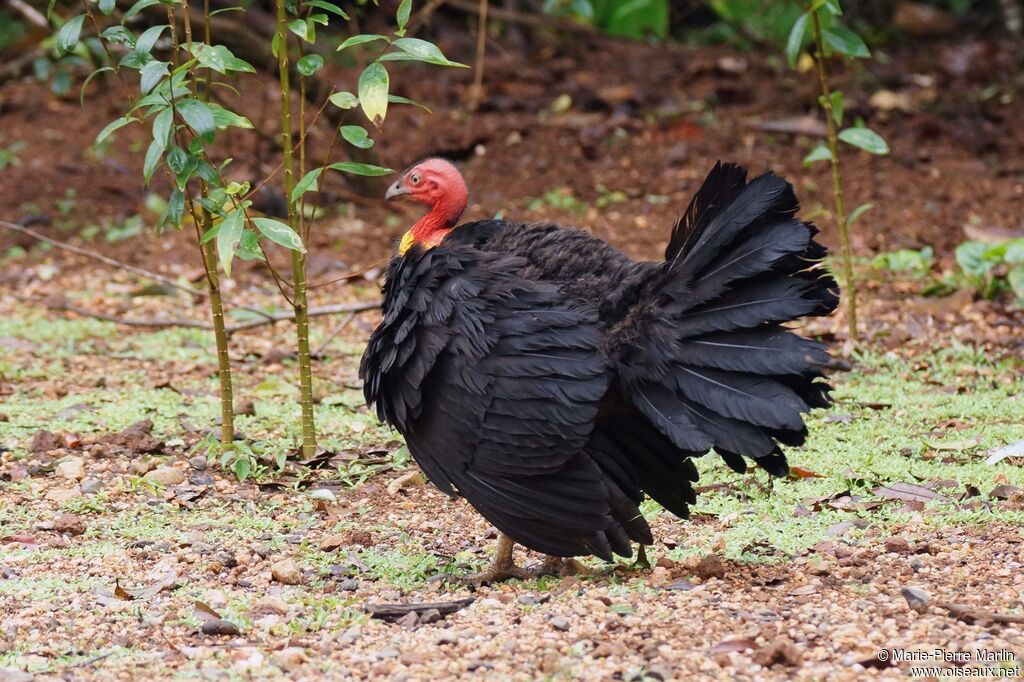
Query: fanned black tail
x,y
715,366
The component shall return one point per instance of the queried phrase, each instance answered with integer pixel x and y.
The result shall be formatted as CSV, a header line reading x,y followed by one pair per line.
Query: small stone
x,y
659,577
559,623
72,524
73,469
15,675
141,466
897,545
710,566
665,562
62,495
44,441
781,651
917,600
270,605
332,542
412,657
286,572
290,658
447,636
348,585
198,463
165,476
90,485
219,626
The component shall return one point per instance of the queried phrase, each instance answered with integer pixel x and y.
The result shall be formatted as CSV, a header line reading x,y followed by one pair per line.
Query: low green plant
x,y
627,18
821,26
993,268
9,155
917,262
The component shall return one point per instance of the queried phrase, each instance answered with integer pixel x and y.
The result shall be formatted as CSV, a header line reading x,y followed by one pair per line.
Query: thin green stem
x,y
298,259
837,182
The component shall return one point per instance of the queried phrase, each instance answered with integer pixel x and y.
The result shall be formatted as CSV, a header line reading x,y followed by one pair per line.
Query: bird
x,y
554,383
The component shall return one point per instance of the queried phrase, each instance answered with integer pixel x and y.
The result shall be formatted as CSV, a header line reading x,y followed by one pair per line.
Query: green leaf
x,y
279,233
1015,251
211,56
153,156
148,38
360,39
119,35
304,29
227,238
344,100
357,136
310,64
151,74
838,105
249,246
175,207
819,153
846,42
162,126
1016,280
404,9
109,129
866,139
67,37
396,99
360,168
198,116
241,467
373,93
177,159
309,182
225,118
970,256
138,7
327,6
796,39
856,213
106,6
418,50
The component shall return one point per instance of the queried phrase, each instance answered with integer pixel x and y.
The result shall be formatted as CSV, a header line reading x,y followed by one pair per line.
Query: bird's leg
x,y
501,568
642,563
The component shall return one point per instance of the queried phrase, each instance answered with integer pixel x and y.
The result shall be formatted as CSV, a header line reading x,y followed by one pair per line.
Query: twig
x,y
319,311
155,276
476,93
30,13
103,259
334,333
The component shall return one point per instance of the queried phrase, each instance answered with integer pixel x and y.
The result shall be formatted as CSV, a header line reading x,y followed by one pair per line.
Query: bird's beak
x,y
395,191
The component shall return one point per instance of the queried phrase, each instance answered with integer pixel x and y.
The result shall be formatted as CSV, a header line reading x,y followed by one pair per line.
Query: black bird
x,y
552,382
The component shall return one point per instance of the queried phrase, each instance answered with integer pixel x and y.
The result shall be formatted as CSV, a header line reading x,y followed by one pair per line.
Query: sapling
x,y
829,37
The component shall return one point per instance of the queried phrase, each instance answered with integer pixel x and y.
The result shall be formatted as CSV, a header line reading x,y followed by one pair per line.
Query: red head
x,y
439,185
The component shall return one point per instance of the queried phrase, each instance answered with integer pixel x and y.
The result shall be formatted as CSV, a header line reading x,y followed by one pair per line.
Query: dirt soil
x,y
109,570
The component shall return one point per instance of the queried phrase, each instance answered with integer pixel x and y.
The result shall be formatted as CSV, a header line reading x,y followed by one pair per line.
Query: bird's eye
x,y
415,178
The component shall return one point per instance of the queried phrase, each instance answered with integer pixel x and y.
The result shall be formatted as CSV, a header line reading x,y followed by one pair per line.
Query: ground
x,y
127,552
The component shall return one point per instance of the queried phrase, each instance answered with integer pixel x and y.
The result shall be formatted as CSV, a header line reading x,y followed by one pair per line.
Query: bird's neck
x,y
434,226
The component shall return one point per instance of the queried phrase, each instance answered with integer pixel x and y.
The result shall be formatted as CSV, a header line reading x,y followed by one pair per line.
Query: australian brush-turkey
x,y
552,381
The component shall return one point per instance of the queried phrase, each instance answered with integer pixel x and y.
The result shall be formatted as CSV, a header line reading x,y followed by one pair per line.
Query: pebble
x,y
219,626
897,545
61,495
198,463
73,469
916,599
286,572
165,476
559,623
90,485
290,658
72,524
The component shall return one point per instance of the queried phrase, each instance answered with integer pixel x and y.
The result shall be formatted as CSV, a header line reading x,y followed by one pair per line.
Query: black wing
x,y
496,382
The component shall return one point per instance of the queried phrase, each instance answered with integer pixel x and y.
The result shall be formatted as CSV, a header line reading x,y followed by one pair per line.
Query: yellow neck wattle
x,y
408,239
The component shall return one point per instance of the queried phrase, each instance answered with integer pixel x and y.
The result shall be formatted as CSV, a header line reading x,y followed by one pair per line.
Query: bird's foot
x,y
496,573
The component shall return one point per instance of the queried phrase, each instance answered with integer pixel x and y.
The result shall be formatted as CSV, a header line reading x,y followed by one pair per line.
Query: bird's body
x,y
552,381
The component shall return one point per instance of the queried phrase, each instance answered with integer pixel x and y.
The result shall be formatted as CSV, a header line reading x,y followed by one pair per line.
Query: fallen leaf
x,y
797,473
997,455
907,491
204,612
393,612
729,646
165,582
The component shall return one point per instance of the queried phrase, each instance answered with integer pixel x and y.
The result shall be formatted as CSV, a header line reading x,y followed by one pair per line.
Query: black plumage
x,y
552,381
